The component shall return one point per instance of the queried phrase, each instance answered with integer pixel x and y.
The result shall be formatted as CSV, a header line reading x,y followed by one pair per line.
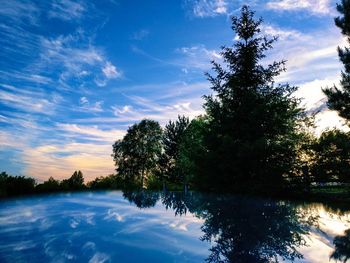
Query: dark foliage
x,y
331,157
15,185
174,133
111,181
49,186
339,98
75,182
136,155
252,136
342,247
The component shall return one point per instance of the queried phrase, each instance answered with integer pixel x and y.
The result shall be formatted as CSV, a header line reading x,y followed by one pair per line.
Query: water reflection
x,y
145,226
243,229
342,247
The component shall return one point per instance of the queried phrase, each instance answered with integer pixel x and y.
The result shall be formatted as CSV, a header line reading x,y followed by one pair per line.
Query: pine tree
x,y
253,123
339,98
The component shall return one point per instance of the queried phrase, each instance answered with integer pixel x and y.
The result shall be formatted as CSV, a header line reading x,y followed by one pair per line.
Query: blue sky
x,y
75,74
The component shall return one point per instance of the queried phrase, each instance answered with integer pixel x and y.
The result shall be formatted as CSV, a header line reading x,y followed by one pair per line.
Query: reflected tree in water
x,y
249,230
342,247
142,198
240,229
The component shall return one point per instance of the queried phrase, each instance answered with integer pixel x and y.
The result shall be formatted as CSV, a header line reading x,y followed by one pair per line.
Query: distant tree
x,y
339,98
51,185
173,135
253,129
332,157
191,149
15,185
111,181
75,182
138,153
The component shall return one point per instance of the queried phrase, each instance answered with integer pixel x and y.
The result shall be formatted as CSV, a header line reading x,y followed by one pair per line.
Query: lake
x,y
170,227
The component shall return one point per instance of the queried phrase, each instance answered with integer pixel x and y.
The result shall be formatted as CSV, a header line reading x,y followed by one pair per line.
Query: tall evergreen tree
x,y
253,123
339,98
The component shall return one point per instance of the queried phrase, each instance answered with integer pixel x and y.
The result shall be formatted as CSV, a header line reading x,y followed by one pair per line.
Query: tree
x,y
15,185
332,157
253,126
111,181
51,185
75,182
191,149
173,135
138,153
339,98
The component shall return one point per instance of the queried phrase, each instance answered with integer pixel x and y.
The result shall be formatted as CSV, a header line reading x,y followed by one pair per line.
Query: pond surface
x,y
170,227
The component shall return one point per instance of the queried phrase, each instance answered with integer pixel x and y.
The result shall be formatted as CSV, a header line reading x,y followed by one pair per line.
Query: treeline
x,y
254,135
21,185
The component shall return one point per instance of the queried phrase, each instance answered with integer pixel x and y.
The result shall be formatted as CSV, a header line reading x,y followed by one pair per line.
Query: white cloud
x,y
197,57
86,106
307,57
320,7
67,9
208,8
282,34
144,108
26,100
83,100
20,11
119,111
141,34
74,57
314,101
92,133
111,71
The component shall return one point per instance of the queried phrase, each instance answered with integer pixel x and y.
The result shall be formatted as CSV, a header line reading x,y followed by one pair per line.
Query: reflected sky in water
x,y
170,227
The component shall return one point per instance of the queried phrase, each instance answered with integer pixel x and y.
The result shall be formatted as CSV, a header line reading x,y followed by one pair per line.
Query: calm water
x,y
171,227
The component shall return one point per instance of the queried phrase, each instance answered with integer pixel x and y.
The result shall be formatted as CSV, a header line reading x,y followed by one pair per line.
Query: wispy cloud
x,y
197,57
20,11
86,106
91,133
111,71
67,9
307,58
75,57
141,34
208,8
318,7
144,108
25,100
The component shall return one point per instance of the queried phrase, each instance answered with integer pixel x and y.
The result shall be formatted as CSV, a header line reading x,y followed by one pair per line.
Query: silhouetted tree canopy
x,y
173,136
254,125
332,157
75,182
15,185
137,154
51,185
111,181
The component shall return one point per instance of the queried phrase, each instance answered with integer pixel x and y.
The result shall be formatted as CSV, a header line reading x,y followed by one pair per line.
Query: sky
x,y
75,74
